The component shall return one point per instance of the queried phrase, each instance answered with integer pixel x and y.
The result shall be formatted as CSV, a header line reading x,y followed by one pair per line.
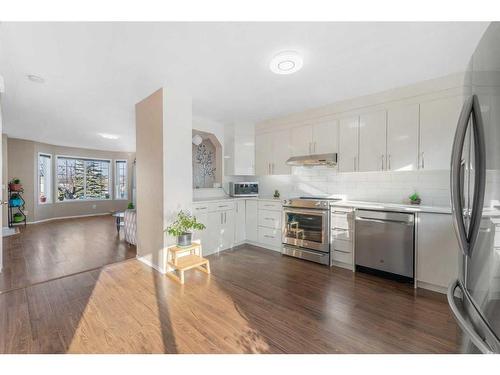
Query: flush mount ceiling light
x,y
109,136
286,62
35,78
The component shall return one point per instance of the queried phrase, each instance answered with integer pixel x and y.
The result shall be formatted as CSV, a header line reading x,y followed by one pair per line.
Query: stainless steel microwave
x,y
244,189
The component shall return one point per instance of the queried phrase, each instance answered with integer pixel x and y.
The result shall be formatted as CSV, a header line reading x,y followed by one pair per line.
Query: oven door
x,y
306,228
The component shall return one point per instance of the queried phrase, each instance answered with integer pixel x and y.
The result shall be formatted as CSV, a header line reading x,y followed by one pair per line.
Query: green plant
x,y
15,181
130,206
184,223
414,197
14,196
276,194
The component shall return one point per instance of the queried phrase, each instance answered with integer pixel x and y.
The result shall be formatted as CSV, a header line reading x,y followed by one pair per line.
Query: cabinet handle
x,y
268,236
389,161
225,217
382,164
201,208
423,162
355,164
269,218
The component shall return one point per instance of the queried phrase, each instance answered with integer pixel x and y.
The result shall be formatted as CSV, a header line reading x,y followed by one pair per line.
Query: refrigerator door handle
x,y
479,174
463,322
457,199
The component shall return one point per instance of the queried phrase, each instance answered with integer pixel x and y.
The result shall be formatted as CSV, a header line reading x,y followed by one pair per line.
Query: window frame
x,y
115,195
84,158
50,196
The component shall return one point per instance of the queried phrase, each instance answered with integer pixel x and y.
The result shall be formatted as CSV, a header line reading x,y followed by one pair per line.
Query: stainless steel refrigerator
x,y
474,297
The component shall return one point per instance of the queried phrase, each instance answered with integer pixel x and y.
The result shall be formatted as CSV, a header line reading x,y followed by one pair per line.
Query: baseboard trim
x,y
147,262
432,287
346,266
66,217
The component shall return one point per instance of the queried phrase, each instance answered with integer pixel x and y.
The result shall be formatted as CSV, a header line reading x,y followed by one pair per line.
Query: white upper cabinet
x,y
263,150
239,149
302,140
372,141
281,152
438,121
272,150
348,144
402,138
325,137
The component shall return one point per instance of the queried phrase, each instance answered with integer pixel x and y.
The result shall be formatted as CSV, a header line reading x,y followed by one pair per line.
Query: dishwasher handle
x,y
385,216
384,221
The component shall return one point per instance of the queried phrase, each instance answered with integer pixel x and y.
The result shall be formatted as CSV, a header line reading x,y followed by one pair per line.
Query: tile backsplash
x,y
388,187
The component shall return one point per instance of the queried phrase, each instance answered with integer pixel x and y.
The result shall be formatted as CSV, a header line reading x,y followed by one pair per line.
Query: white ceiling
x,y
95,72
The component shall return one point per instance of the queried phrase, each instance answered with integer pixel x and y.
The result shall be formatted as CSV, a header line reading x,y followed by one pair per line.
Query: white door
x,y
301,139
212,236
239,225
252,215
348,144
325,137
263,154
372,141
281,152
227,229
438,121
1,181
402,137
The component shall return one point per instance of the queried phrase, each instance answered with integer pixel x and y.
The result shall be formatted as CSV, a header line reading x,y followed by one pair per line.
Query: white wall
x,y
389,187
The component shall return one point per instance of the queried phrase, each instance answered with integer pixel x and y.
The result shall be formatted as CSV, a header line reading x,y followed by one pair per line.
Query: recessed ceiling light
x,y
35,78
286,62
109,136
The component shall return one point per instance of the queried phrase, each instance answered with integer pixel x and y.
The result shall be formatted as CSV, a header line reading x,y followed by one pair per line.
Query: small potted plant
x,y
130,206
43,198
15,185
276,194
15,200
415,198
182,228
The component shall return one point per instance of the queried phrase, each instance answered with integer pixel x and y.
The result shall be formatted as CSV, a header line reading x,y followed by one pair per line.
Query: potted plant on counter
x,y
182,228
15,185
43,198
415,199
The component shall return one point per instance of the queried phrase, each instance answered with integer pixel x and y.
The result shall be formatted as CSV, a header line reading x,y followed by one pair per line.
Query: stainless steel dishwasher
x,y
384,241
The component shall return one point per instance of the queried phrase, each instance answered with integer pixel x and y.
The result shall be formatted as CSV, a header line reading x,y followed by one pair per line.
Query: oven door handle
x,y
305,211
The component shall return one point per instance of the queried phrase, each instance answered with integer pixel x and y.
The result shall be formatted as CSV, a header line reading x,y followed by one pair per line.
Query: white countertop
x,y
393,207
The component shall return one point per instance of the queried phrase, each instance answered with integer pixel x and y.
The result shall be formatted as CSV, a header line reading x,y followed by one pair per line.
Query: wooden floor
x,y
255,301
58,248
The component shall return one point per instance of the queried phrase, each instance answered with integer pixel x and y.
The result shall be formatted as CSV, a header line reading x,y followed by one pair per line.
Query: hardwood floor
x,y
58,248
255,301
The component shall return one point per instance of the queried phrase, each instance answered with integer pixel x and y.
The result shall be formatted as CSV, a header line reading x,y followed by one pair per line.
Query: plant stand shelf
x,y
180,261
16,209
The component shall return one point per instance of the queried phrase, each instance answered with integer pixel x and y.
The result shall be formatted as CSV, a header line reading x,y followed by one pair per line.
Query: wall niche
x,y
207,160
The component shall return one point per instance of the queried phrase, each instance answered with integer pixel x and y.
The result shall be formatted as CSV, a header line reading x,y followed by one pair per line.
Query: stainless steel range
x,y
306,228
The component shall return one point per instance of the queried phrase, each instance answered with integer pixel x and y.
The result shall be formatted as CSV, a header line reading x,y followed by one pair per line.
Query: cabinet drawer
x,y
340,256
270,236
223,206
270,205
342,234
341,221
345,246
270,219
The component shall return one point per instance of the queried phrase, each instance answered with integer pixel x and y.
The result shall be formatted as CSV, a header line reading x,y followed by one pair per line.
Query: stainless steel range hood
x,y
330,160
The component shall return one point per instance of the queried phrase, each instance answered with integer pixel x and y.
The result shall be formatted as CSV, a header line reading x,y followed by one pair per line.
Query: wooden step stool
x,y
186,262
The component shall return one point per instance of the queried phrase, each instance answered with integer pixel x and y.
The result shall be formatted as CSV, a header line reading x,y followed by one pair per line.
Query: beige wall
x,y
22,163
149,153
164,170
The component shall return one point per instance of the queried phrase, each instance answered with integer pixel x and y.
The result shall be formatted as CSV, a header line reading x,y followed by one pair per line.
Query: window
x,y
82,179
44,178
121,180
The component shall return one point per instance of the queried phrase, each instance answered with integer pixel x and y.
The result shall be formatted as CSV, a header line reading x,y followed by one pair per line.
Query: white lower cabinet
x,y
234,222
342,237
240,222
437,254
251,220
